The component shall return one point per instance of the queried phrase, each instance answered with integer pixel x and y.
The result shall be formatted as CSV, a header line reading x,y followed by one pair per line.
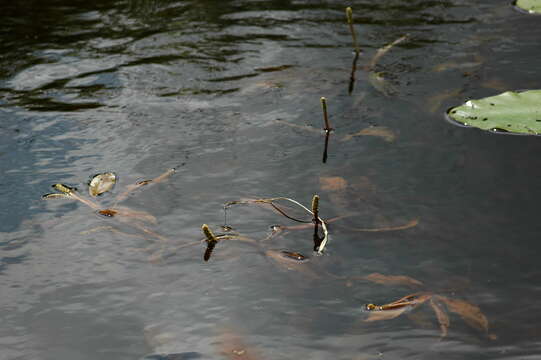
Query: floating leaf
x,y
531,6
441,315
293,255
471,314
396,308
294,261
515,112
55,196
107,212
289,259
101,183
393,280
411,299
380,131
332,183
64,188
385,314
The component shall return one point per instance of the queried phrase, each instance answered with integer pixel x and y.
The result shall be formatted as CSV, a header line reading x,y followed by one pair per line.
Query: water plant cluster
x,y
511,111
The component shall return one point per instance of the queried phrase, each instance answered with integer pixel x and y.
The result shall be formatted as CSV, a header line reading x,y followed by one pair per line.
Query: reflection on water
x,y
228,93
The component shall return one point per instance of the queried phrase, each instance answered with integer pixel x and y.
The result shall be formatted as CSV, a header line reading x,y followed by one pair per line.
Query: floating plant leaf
x,y
385,315
531,6
107,212
55,196
64,188
396,308
101,183
470,313
293,261
514,112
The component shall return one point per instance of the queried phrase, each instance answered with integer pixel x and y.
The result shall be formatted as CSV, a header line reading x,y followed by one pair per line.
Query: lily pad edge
x,y
498,131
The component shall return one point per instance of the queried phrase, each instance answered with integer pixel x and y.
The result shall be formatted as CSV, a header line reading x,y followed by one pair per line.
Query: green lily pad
x,y
531,6
514,112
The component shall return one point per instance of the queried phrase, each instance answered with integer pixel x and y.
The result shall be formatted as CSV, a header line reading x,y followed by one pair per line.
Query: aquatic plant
x,y
104,182
349,16
511,111
327,127
530,6
101,183
314,212
470,313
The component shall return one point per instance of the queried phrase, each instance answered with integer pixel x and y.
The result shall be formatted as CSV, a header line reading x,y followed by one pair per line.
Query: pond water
x,y
228,94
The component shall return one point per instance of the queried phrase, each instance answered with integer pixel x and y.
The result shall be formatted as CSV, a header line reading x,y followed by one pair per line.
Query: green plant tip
x,y
349,14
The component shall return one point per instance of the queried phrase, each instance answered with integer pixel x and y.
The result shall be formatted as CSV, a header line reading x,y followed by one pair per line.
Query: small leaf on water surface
x,y
385,314
64,188
293,255
55,196
292,261
514,112
396,308
107,212
393,280
531,6
470,313
101,183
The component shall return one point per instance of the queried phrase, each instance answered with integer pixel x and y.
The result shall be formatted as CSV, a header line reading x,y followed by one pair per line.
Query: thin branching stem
x,y
325,239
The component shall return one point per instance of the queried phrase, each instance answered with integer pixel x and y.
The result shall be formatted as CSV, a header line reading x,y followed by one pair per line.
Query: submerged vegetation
x,y
137,219
515,112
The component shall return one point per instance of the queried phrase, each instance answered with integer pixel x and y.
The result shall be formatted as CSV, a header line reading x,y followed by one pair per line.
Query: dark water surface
x,y
209,87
